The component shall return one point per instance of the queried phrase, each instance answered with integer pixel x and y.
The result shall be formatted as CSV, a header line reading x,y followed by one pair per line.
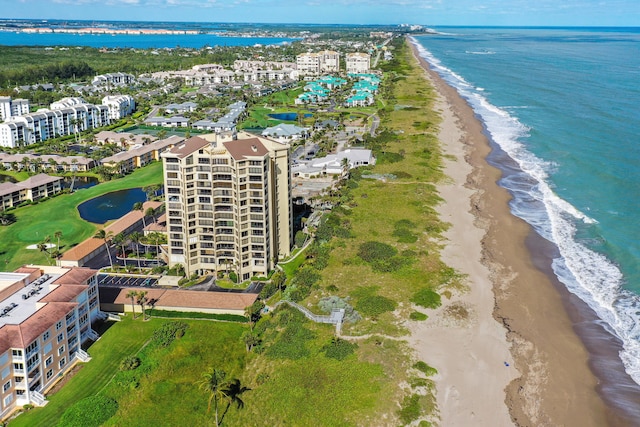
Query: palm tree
x,y
139,206
214,383
135,239
150,212
42,246
106,236
156,239
132,294
121,240
58,235
232,392
142,300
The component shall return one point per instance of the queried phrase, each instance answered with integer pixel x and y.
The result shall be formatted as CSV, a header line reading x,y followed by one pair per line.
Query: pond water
x,y
80,182
287,116
111,205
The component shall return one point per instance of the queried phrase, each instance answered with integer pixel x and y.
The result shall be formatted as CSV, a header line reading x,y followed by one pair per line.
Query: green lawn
x,y
34,222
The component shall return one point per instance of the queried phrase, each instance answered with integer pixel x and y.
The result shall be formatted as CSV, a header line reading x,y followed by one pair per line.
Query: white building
x,y
12,107
314,63
45,316
119,106
358,62
329,61
113,79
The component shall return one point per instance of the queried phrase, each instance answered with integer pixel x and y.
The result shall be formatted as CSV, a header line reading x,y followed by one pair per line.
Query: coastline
x,y
553,384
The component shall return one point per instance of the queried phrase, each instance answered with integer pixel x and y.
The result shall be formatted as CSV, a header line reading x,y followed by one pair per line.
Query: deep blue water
x,y
564,105
197,41
111,205
287,116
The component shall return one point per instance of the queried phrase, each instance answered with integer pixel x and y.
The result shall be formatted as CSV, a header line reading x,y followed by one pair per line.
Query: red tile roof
x,y
243,148
189,146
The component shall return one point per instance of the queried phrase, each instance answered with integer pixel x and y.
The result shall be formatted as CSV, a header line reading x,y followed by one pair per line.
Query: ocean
x,y
563,103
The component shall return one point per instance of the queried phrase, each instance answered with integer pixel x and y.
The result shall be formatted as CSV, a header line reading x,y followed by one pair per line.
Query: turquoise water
x,y
564,105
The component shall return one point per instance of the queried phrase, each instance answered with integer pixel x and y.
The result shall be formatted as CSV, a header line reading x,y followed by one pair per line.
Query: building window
x,y
48,361
49,373
20,392
60,351
18,366
6,372
8,400
58,325
47,348
62,362
19,379
17,353
60,337
6,386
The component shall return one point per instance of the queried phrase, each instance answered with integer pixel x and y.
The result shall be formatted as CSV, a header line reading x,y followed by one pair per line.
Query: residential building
x,y
228,204
142,155
308,63
168,122
358,62
113,79
334,164
32,189
52,162
285,132
12,107
46,315
119,106
329,61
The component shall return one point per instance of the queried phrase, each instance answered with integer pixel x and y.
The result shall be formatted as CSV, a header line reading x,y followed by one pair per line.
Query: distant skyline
x,y
424,12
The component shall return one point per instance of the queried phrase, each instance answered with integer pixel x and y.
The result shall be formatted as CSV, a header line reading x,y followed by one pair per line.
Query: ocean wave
x,y
584,272
481,52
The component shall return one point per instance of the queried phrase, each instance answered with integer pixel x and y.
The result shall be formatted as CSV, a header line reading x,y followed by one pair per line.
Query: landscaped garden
x,y
37,221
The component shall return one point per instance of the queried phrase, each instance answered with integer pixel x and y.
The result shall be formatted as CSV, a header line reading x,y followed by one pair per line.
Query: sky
x,y
425,12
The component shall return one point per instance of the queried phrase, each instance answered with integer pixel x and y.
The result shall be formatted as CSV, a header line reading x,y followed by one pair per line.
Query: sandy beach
x,y
516,359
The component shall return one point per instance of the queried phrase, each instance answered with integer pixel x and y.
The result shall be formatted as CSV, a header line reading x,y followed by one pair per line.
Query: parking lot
x,y
126,282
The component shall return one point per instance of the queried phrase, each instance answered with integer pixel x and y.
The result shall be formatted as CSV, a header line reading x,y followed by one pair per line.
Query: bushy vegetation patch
x,y
129,363
375,305
168,332
375,251
403,230
427,298
301,285
417,316
291,341
339,349
410,409
91,411
424,368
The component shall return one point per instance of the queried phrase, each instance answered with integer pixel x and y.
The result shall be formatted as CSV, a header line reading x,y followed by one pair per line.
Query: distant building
x,y
32,189
12,107
358,62
312,63
334,164
119,106
45,316
228,204
113,79
285,132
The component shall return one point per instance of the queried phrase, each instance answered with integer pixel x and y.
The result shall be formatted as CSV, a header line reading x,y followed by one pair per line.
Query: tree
x,y
135,239
150,212
232,392
106,236
121,240
58,235
139,206
214,383
42,246
250,340
133,295
253,312
142,301
7,218
278,279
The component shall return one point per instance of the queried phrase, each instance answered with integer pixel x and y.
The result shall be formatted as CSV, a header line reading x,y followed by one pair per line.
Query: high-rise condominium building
x,y
228,204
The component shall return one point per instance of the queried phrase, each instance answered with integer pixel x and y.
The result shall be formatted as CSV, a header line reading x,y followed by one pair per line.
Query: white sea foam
x,y
585,273
481,52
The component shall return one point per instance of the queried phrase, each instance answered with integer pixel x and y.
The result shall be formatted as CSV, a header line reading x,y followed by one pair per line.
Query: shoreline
x,y
554,384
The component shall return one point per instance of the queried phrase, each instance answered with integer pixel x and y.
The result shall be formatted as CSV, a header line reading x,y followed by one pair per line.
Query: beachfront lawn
x,y
166,376
60,213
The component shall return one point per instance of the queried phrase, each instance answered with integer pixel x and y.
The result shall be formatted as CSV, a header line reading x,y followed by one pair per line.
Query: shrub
x,y
375,305
410,410
233,277
373,251
300,238
427,298
416,315
91,411
164,335
424,368
129,363
268,290
339,349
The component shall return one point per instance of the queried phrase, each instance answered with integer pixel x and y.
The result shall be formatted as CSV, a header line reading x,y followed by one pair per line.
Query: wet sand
x,y
551,383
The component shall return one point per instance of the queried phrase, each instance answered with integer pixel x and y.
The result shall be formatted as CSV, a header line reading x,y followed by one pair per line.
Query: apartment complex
x,y
228,204
314,63
12,107
119,106
358,62
65,117
33,189
45,316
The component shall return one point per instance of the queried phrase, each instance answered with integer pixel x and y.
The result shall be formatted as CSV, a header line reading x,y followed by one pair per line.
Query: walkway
x,y
335,318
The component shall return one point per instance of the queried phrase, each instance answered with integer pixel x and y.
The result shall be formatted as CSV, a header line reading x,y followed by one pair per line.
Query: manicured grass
x,y
169,378
34,222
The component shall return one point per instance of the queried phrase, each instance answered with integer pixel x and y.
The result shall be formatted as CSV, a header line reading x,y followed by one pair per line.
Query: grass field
x,y
34,222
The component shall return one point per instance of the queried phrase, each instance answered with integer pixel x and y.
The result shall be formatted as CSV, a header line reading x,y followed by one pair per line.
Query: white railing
x,y
82,355
37,399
